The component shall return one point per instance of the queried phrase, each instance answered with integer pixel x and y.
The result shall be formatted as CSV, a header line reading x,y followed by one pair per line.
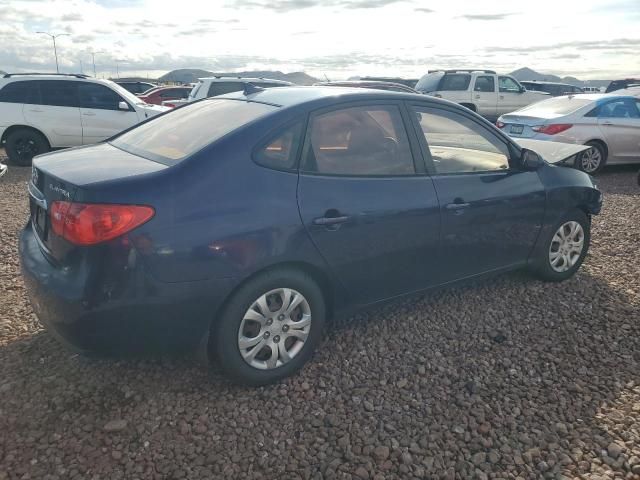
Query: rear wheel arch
x,y
470,106
14,128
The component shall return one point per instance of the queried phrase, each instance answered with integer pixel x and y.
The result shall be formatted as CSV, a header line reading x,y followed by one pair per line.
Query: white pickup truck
x,y
482,91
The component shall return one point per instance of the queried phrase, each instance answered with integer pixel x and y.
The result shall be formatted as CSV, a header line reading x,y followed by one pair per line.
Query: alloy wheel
x,y
274,329
566,246
590,160
26,148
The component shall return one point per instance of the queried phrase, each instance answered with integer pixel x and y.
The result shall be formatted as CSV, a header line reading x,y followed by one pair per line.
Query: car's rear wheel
x,y
270,327
564,248
23,144
593,160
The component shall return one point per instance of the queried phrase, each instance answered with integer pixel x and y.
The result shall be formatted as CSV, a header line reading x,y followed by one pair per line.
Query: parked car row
x,y
237,225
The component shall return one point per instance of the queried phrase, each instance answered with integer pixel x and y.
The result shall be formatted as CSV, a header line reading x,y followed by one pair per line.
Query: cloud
x,y
487,16
424,10
282,6
614,45
72,17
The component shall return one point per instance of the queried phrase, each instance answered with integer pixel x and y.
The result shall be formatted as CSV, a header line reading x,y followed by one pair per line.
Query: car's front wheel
x,y
269,328
564,248
23,144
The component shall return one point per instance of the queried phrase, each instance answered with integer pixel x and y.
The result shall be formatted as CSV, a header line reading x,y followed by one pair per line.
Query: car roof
x,y
245,79
296,95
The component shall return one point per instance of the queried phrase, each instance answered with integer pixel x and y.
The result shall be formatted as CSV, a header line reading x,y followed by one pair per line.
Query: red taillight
x,y
552,129
92,223
500,124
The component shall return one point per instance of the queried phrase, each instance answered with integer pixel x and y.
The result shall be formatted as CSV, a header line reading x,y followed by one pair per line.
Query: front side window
x,y
455,82
172,137
508,84
97,96
21,92
280,151
364,141
59,93
460,145
485,83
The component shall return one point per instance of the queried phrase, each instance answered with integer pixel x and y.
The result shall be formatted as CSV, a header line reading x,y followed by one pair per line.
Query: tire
x,y
592,161
24,144
551,248
261,333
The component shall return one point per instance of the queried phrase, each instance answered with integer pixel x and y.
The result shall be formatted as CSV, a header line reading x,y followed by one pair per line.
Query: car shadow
x,y
533,374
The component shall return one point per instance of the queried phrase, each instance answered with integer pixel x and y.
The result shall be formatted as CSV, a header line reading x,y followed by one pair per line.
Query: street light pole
x,y
93,58
55,51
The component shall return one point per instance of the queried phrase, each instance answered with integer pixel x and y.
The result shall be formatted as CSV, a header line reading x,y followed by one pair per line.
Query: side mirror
x,y
123,106
522,89
530,160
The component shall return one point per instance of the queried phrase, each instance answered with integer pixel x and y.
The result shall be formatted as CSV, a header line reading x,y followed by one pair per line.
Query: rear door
x,y
101,116
371,214
491,210
484,95
619,122
57,112
455,87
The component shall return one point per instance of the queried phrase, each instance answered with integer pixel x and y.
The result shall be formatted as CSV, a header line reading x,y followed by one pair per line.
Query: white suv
x,y
482,91
214,86
42,112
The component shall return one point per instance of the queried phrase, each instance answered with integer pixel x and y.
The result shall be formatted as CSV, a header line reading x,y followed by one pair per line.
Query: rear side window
x,y
172,137
59,93
98,96
485,83
221,88
280,151
359,141
21,92
455,82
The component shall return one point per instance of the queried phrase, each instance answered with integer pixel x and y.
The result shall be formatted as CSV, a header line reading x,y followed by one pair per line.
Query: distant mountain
x,y
527,73
189,75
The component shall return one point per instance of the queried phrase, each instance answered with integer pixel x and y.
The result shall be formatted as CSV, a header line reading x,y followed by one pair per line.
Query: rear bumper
x,y
102,305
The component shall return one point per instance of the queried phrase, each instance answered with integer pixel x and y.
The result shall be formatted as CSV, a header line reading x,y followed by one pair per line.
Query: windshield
x,y
429,83
557,106
194,90
126,94
172,137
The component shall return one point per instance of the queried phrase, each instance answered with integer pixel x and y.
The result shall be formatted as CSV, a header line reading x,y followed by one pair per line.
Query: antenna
x,y
325,76
250,88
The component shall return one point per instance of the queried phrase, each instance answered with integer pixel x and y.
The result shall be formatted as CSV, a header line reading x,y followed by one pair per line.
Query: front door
x,y
372,216
492,211
100,113
510,96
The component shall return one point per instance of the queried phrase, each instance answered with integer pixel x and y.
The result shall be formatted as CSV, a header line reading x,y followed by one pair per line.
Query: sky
x,y
334,38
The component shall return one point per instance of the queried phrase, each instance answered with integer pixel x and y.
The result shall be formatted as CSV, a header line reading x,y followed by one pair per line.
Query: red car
x,y
157,95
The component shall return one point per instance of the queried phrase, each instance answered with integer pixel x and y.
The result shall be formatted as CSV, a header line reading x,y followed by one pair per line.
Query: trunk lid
x,y
64,175
553,152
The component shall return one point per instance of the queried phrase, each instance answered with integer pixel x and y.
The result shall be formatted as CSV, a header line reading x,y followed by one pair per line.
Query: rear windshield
x,y
558,106
174,136
429,83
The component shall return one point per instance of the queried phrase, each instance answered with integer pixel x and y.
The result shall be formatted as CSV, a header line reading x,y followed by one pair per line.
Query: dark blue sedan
x,y
236,225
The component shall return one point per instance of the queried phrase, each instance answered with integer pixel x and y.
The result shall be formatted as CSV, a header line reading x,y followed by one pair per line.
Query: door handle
x,y
35,110
457,205
607,123
477,95
328,221
89,114
501,97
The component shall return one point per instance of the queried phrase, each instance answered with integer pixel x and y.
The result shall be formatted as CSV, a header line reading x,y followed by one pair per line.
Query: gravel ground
x,y
508,378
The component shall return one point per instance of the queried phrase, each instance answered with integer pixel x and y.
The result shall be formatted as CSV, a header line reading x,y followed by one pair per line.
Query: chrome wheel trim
x,y
590,160
566,246
274,329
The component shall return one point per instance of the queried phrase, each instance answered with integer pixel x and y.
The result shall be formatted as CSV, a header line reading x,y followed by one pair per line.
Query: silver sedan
x,y
609,123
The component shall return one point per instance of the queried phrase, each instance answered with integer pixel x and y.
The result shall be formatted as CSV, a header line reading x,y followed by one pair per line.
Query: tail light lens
x,y
92,223
500,124
552,129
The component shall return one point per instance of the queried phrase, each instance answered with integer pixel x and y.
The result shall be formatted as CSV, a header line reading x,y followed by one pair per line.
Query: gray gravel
x,y
509,378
